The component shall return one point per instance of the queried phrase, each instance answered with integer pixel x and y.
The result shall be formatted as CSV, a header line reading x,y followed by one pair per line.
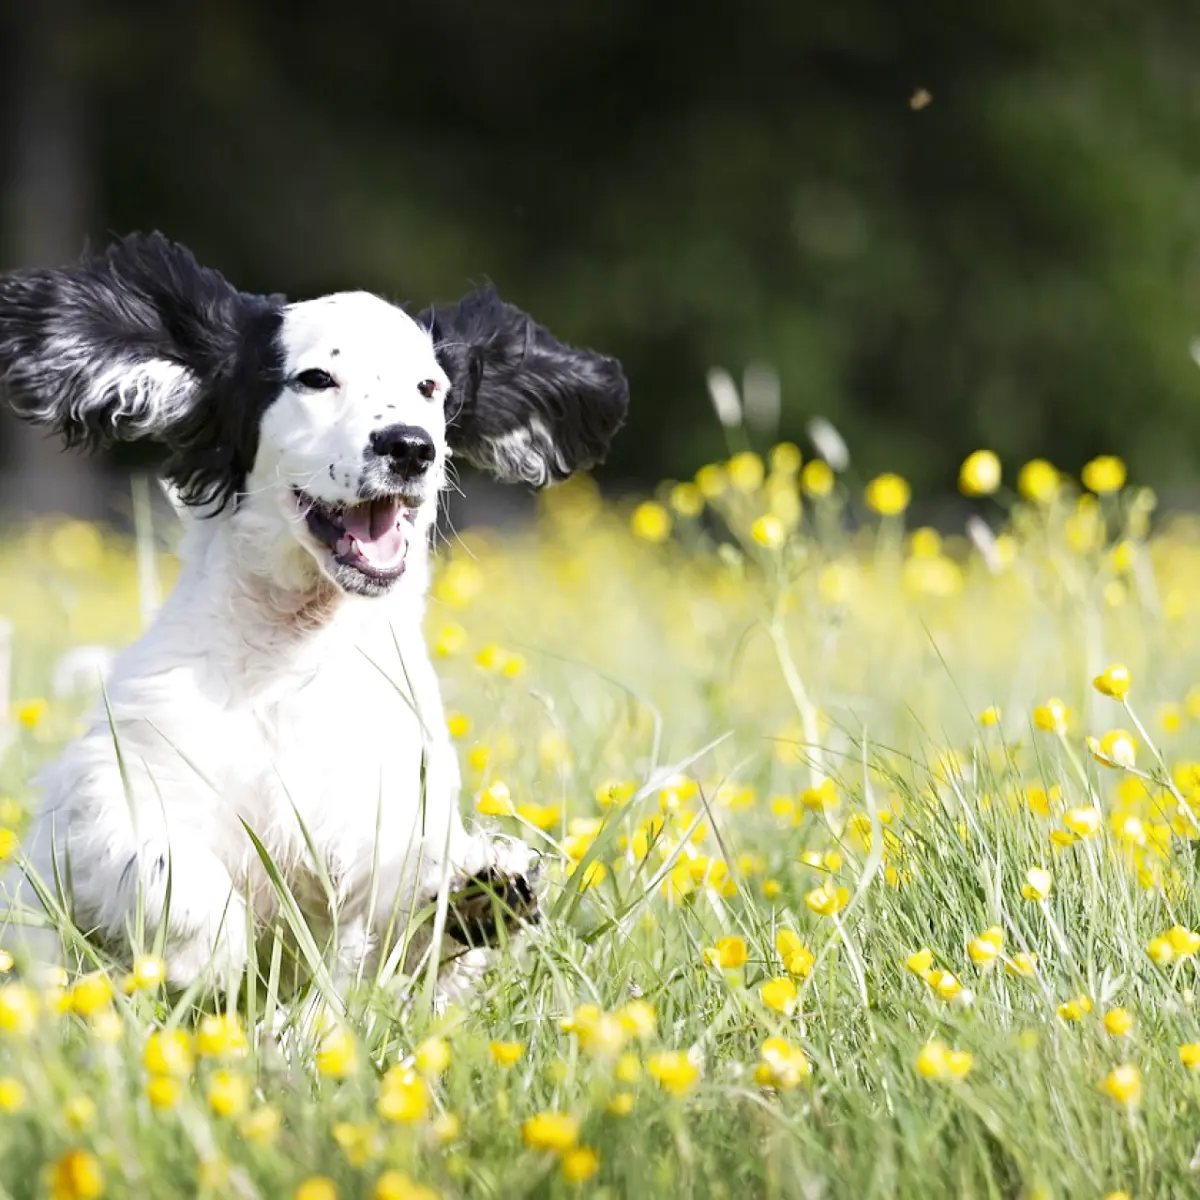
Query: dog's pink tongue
x,y
378,531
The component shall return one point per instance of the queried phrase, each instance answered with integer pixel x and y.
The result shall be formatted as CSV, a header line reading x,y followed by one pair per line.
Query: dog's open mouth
x,y
371,537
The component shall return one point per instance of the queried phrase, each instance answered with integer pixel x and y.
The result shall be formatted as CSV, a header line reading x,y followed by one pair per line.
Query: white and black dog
x,y
285,686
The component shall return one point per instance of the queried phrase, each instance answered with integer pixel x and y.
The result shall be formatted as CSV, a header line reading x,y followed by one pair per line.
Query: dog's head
x,y
331,418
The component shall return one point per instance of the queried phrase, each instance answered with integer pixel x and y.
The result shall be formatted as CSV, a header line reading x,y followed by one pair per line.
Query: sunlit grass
x,y
864,887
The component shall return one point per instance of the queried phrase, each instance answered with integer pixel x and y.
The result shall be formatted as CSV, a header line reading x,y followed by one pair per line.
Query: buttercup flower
x,y
673,1071
1124,1085
506,1054
1104,475
553,1131
1038,884
938,1062
1115,681
888,495
779,994
979,474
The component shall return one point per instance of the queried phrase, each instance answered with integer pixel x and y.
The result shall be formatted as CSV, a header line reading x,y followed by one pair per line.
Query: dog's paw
x,y
501,894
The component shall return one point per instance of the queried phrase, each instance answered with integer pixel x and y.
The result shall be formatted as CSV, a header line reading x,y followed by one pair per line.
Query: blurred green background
x,y
1014,263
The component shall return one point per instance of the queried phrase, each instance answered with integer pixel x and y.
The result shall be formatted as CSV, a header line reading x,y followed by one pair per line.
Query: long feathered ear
x,y
521,404
142,343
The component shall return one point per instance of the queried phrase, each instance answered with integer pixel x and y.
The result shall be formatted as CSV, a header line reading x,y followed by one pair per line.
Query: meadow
x,y
873,866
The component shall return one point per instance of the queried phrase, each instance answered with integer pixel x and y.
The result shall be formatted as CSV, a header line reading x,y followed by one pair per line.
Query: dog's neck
x,y
250,589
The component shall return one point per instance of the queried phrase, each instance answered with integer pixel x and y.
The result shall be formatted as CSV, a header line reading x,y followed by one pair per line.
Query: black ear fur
x,y
523,405
141,342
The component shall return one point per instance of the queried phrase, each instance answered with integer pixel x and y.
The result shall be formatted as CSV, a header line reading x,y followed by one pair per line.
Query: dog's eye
x,y
315,380
427,388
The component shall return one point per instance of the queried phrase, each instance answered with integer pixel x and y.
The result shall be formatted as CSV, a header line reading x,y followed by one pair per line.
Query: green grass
x,y
713,685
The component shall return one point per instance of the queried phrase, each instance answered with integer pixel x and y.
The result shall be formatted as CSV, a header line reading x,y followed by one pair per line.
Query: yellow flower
x,y
18,1009
781,1065
1170,717
168,1052
495,801
817,478
769,531
987,947
797,958
228,1094
31,713
1104,474
396,1185
90,994
1022,963
638,1019
821,797
77,1175
403,1097
316,1187
433,1056
980,474
79,1111
1052,716
1113,681
729,953
163,1091
945,983
1038,884
785,458
827,900
1076,1009
1118,1021
1189,1055
1184,942
9,843
780,995
12,1094
1083,822
553,1131
1116,748
745,471
220,1036
990,717
673,1071
458,725
1160,951
359,1143
938,1062
261,1126
506,1054
920,962
338,1054
149,972
1124,1085
712,481
888,495
1038,481
686,499
621,1104
579,1164
451,640
651,522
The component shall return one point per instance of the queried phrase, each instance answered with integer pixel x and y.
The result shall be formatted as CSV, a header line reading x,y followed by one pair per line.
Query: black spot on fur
x,y
73,341
522,404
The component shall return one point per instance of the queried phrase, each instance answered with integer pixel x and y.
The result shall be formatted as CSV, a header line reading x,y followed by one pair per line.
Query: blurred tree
x,y
1012,264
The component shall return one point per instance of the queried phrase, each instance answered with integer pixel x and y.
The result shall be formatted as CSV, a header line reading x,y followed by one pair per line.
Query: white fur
x,y
150,392
264,694
526,452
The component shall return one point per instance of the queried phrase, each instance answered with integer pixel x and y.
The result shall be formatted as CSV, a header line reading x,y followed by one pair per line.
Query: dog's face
x,y
330,419
353,448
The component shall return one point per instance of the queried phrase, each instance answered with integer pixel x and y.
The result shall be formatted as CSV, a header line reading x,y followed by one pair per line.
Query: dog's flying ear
x,y
522,405
141,342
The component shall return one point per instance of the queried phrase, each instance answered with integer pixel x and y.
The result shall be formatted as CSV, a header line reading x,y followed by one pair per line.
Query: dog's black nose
x,y
409,447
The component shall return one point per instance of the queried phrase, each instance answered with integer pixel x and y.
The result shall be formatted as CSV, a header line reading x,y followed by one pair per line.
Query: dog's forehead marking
x,y
353,325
